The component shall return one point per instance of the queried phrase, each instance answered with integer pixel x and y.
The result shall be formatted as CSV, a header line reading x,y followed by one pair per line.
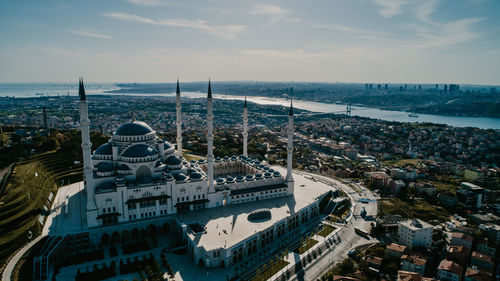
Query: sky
x,y
378,41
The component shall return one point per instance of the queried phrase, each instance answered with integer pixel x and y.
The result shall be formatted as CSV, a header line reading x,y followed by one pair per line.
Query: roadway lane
x,y
347,236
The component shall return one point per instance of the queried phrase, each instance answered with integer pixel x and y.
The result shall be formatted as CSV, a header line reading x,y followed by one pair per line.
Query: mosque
x,y
224,207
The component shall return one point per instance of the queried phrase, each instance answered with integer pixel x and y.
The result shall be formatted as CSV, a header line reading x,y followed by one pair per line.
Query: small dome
x,y
226,158
139,150
167,145
134,128
268,175
234,157
104,167
123,167
240,179
173,161
229,179
258,176
202,161
217,159
180,177
276,174
105,149
249,177
195,176
220,181
168,177
270,170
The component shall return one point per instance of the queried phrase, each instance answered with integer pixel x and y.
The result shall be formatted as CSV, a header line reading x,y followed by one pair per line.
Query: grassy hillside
x,y
26,196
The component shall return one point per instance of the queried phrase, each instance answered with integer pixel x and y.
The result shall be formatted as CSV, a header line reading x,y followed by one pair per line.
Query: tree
x,y
347,266
391,268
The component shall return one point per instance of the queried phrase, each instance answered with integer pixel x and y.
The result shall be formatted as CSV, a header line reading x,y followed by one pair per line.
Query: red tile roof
x,y
450,266
396,247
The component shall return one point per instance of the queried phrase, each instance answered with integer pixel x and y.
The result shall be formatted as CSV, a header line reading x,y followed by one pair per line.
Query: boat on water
x,y
413,114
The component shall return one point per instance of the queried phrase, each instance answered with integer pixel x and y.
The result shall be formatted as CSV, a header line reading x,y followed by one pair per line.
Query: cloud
x,y
224,31
90,33
389,8
441,34
424,10
147,2
268,10
351,31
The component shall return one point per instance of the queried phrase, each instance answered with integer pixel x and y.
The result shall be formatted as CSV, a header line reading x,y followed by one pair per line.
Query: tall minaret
x,y
86,146
179,121
210,140
245,128
289,159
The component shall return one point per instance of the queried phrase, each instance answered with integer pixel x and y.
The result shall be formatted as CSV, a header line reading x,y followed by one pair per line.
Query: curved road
x,y
348,238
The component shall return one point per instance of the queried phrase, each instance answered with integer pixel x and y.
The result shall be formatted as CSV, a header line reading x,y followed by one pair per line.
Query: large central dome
x,y
134,128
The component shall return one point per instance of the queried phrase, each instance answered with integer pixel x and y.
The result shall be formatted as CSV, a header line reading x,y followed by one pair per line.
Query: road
x,y
346,238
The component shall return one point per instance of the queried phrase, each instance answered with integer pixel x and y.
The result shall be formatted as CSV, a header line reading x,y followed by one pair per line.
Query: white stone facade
x,y
137,175
414,233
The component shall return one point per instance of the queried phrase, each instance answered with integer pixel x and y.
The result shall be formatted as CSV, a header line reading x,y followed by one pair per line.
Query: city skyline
x,y
375,41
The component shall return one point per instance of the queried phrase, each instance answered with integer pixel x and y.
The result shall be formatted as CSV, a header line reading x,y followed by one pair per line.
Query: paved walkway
x,y
7,272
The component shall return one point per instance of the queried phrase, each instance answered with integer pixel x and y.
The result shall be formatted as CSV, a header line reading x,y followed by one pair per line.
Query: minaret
x,y
245,128
86,146
210,140
179,121
289,159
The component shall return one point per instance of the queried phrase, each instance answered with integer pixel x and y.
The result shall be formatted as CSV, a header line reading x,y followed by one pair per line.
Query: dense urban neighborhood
x,y
423,199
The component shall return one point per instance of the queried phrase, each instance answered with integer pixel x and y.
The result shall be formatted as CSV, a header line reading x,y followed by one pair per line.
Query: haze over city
x,y
252,140
379,41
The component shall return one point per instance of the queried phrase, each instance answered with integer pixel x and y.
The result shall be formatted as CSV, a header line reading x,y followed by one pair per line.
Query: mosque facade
x,y
138,175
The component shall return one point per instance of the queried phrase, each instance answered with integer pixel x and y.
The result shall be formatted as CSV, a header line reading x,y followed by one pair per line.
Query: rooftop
x,y
476,274
450,266
134,128
414,259
396,247
416,224
228,226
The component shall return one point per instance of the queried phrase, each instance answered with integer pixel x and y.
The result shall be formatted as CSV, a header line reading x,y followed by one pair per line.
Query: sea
x,y
23,90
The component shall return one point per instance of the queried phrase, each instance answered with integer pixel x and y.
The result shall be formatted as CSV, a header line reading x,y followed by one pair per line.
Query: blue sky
x,y
414,41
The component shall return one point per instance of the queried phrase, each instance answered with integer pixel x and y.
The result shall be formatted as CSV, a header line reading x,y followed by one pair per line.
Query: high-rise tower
x,y
289,159
245,128
87,163
210,140
179,120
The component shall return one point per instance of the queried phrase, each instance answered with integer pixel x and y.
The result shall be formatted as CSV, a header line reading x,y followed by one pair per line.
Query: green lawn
x,y
445,187
190,157
325,230
401,162
306,246
269,270
27,194
417,208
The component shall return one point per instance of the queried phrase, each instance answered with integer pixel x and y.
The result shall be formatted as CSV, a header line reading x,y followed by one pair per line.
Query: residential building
x,y
457,253
482,261
471,195
449,271
411,276
413,263
413,233
474,274
395,251
461,239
